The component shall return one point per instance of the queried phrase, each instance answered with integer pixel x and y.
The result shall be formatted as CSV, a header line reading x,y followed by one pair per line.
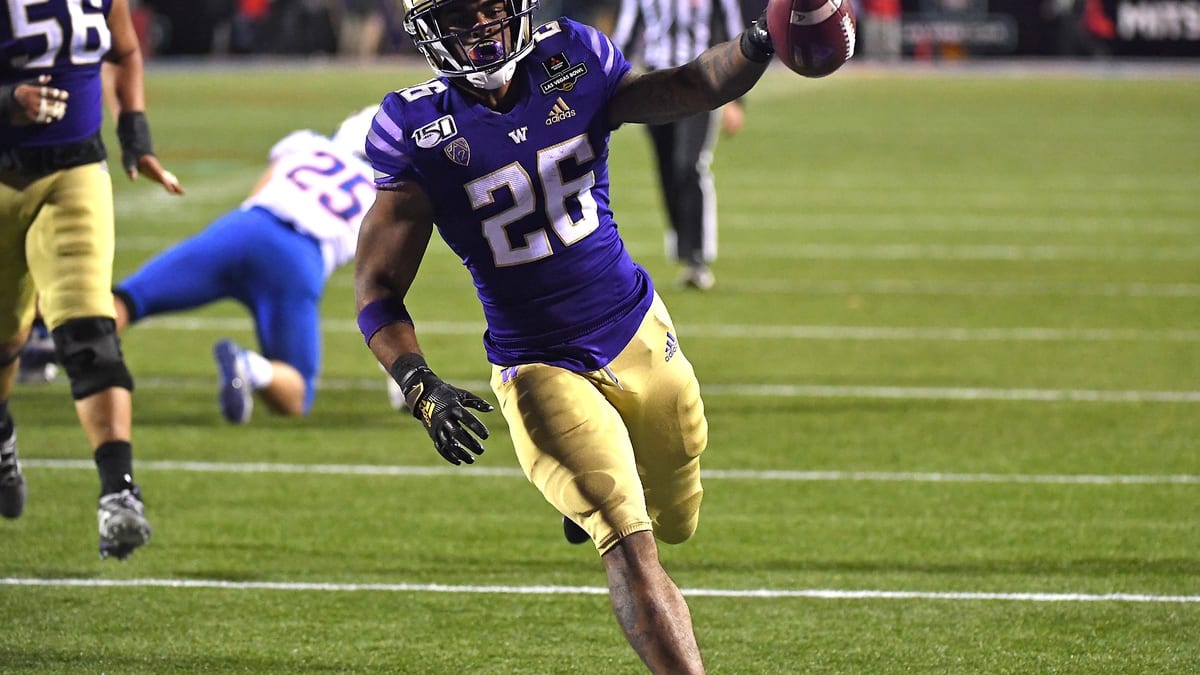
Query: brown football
x,y
812,37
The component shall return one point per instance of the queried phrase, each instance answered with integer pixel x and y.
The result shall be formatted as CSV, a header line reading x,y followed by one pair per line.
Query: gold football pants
x,y
615,450
56,247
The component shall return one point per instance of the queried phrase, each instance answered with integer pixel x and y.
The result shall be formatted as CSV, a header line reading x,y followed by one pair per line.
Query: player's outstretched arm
x,y
391,243
133,130
719,75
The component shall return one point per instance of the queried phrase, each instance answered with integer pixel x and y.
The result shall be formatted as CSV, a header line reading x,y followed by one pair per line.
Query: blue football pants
x,y
254,258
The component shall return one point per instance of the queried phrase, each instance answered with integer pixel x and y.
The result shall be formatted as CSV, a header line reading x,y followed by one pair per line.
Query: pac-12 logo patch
x,y
459,151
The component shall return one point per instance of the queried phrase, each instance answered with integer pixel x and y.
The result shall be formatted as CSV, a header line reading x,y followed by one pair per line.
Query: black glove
x,y
133,131
756,41
442,408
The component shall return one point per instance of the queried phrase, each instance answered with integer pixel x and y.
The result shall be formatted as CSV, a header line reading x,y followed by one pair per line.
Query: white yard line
x,y
820,220
814,593
999,289
818,391
1001,252
762,331
717,474
953,393
941,334
818,251
966,288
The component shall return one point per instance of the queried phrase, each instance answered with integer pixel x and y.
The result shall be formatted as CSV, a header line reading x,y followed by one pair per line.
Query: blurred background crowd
x,y
888,29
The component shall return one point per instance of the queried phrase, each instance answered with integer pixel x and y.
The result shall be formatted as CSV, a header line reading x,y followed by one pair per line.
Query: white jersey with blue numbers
x,y
322,190
522,197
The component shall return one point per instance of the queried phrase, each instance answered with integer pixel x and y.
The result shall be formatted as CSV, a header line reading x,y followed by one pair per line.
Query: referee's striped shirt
x,y
668,33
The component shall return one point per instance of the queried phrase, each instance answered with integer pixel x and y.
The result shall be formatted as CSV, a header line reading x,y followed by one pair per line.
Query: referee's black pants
x,y
683,150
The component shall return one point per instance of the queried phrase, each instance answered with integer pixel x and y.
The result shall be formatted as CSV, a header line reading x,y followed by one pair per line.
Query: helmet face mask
x,y
479,40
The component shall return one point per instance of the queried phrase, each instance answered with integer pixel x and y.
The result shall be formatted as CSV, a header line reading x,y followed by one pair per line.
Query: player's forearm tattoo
x,y
716,77
728,71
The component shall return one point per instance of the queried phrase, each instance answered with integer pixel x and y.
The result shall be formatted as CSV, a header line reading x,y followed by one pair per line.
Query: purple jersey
x,y
65,39
522,198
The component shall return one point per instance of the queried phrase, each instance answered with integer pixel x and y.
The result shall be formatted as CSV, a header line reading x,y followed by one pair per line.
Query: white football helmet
x,y
485,53
351,134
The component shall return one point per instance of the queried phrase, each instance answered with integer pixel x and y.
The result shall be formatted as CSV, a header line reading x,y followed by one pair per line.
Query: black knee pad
x,y
90,352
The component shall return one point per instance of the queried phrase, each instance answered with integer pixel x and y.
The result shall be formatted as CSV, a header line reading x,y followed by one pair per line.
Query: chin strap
x,y
495,79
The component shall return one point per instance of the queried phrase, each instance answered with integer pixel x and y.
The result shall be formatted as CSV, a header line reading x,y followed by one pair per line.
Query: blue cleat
x,y
39,363
235,395
123,524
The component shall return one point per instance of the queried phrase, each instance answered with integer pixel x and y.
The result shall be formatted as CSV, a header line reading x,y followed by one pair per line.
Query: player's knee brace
x,y
90,352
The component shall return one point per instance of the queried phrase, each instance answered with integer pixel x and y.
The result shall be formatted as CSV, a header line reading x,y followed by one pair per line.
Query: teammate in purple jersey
x,y
57,231
506,153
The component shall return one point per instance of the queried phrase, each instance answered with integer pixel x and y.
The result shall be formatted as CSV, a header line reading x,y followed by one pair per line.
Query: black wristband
x,y
133,131
8,102
406,369
756,41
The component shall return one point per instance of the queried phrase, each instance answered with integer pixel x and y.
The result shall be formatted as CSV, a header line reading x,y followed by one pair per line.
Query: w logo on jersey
x,y
672,346
519,135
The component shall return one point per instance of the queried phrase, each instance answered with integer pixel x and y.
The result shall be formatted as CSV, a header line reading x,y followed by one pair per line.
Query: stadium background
x,y
929,29
950,368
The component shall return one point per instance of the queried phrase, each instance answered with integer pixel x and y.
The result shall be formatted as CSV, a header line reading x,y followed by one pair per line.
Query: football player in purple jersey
x,y
505,153
57,232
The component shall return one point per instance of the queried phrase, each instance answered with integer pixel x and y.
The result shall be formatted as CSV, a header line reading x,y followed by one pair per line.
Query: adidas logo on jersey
x,y
559,111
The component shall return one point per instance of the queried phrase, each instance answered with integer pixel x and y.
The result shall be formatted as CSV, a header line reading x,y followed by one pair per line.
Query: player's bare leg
x,y
649,607
122,312
285,388
285,393
106,416
8,358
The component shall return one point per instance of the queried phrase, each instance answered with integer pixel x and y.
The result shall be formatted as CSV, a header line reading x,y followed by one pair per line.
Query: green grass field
x,y
951,367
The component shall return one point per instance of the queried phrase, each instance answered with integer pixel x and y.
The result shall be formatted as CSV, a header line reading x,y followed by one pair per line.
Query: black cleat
x,y
12,482
123,524
574,533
